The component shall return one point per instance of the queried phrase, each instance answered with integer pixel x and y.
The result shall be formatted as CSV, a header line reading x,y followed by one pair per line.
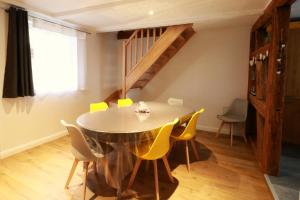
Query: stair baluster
x,y
134,50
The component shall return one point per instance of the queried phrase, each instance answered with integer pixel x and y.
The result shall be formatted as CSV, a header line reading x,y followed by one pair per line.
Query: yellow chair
x,y
157,150
102,106
124,102
186,134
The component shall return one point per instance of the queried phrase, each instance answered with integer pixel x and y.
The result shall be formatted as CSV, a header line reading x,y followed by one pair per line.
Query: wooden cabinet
x,y
267,62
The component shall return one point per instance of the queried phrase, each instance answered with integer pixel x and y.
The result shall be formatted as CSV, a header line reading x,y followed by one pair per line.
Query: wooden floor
x,y
223,173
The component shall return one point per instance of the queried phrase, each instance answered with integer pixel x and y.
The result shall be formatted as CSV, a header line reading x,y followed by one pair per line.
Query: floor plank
x,y
223,172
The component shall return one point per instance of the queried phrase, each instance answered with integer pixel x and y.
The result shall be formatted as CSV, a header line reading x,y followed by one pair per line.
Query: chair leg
x,y
244,133
168,168
231,134
156,179
147,165
95,167
86,169
75,163
220,128
195,149
135,169
106,170
173,144
187,155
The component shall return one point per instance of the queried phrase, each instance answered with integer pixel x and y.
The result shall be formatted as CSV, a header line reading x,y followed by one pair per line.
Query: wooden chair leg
x,y
106,170
231,134
195,149
168,168
173,144
135,169
95,167
156,179
220,128
86,169
187,155
147,165
75,163
244,133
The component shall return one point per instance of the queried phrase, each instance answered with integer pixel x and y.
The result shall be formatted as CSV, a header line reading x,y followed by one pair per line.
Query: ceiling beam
x,y
126,34
96,7
147,22
294,25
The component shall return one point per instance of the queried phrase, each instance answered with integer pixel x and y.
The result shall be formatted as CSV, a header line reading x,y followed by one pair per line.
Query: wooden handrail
x,y
130,38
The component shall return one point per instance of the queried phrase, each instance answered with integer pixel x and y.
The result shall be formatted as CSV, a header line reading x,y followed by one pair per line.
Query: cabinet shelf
x,y
261,49
259,105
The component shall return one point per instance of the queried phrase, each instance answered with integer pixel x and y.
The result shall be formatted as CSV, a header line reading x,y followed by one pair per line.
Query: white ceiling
x,y
115,15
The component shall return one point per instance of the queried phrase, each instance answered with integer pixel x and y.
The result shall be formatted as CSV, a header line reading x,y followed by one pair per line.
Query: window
x,y
55,62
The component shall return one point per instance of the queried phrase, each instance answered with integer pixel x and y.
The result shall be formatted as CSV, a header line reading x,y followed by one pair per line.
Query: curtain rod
x,y
40,18
58,24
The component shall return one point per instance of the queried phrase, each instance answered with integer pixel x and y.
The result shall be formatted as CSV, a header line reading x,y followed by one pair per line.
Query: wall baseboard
x,y
224,130
14,150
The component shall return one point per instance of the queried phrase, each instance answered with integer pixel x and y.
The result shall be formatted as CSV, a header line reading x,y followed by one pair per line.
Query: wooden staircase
x,y
146,51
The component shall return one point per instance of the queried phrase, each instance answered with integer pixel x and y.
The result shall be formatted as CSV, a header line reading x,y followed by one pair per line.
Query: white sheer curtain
x,y
58,57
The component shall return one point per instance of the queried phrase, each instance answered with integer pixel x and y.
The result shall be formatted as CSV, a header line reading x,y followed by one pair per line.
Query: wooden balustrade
x,y
147,50
137,46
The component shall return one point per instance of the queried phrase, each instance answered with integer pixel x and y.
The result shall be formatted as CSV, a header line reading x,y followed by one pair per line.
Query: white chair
x,y
81,151
236,114
175,102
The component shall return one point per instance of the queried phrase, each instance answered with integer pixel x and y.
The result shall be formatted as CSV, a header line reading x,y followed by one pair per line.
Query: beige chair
x,y
81,152
236,114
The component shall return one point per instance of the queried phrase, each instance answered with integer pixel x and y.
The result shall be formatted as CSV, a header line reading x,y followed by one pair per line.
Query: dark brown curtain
x,y
18,73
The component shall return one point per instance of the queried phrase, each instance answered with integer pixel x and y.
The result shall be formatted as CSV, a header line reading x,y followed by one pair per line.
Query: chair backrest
x,y
101,106
161,144
124,102
190,130
80,147
238,107
175,102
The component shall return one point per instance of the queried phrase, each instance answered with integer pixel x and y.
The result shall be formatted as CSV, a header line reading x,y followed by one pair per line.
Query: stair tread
x,y
172,47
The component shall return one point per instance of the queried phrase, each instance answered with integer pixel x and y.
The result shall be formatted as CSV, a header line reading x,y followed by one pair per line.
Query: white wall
x,y
25,122
209,71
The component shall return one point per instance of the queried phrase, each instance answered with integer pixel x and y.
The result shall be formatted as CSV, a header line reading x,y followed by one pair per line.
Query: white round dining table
x,y
126,120
122,126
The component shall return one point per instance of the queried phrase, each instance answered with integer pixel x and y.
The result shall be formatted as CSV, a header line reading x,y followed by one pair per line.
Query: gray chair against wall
x,y
82,152
236,114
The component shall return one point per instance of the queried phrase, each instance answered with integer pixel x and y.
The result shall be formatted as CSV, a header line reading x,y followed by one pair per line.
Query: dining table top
x,y
127,120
